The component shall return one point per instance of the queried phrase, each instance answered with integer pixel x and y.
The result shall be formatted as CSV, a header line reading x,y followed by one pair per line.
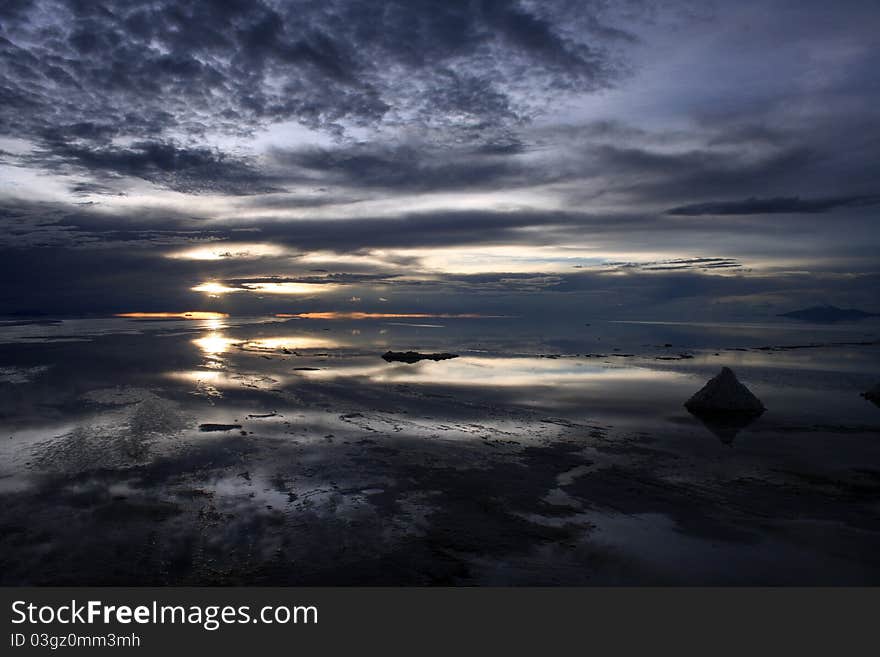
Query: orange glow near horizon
x,y
194,314
358,315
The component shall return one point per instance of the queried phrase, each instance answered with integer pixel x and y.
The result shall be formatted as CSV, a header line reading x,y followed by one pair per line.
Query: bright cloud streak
x,y
226,250
292,288
214,288
289,288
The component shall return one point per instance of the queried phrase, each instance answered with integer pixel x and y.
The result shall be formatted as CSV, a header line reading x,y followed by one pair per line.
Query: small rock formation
x,y
725,394
725,405
218,427
873,395
414,356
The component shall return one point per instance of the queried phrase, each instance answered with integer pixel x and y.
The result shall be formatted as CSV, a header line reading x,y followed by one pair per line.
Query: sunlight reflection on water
x,y
472,370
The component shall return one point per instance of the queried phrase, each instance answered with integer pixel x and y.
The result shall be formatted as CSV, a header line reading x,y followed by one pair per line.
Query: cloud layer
x,y
515,154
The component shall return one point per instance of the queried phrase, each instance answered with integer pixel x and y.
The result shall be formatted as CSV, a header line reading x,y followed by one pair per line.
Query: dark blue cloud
x,y
143,69
775,205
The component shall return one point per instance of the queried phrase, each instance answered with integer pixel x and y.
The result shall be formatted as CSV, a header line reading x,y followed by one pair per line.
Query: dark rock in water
x,y
414,356
218,427
873,395
725,405
827,314
724,394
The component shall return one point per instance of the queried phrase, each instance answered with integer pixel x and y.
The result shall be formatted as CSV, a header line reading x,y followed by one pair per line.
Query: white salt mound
x,y
725,394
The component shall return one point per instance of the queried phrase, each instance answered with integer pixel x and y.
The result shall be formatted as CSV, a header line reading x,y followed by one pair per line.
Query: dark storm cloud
x,y
345,235
653,175
44,224
412,97
677,264
775,205
407,168
107,281
80,76
41,224
34,224
652,169
59,260
847,246
189,170
144,69
94,227
607,158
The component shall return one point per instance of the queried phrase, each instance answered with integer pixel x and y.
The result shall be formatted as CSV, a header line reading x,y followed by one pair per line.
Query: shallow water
x,y
545,453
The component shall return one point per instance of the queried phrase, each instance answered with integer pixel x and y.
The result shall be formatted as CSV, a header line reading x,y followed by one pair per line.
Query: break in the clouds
x,y
617,157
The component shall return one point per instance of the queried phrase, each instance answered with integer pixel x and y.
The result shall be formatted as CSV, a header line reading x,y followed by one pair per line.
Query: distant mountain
x,y
828,314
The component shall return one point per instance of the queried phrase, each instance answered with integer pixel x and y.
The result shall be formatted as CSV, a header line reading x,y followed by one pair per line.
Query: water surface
x,y
546,453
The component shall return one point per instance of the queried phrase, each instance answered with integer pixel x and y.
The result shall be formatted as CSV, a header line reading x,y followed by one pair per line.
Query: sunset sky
x,y
611,159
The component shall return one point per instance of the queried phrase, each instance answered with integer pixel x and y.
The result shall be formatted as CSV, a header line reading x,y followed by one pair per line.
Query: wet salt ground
x,y
539,456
